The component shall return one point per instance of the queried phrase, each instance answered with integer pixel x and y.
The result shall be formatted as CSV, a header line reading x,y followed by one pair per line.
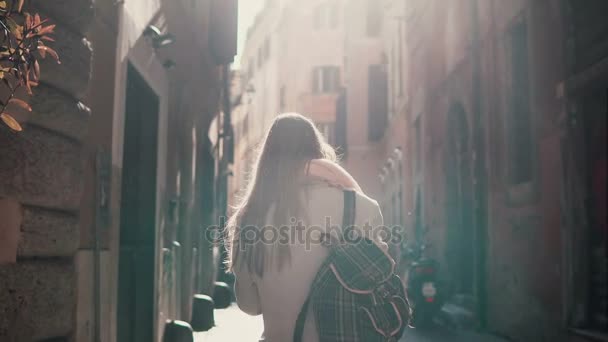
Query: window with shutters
x,y
519,118
326,79
377,102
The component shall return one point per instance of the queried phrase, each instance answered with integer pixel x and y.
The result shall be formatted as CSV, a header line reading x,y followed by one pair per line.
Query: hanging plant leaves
x,y
20,103
21,35
36,71
46,30
45,49
11,122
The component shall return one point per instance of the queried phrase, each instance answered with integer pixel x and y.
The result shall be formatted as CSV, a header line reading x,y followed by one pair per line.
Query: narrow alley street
x,y
232,325
165,149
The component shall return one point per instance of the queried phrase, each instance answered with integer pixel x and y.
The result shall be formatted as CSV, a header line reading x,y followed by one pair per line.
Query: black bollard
x,y
202,313
178,331
222,295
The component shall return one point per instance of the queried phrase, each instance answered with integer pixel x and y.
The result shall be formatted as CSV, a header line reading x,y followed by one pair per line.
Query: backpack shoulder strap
x,y
348,219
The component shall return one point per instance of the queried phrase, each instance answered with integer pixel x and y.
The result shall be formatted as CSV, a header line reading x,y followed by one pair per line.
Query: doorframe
x,y
458,128
575,211
143,59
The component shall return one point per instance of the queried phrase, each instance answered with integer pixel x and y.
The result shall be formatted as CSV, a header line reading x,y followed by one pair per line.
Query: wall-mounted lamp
x,y
164,40
152,31
158,38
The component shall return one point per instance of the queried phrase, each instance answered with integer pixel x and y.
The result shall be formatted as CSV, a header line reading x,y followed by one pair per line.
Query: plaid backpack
x,y
356,296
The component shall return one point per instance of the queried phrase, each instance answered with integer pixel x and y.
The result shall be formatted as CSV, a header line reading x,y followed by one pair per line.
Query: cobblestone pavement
x,y
232,325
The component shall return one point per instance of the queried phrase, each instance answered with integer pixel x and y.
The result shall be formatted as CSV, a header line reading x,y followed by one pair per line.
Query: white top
x,y
279,295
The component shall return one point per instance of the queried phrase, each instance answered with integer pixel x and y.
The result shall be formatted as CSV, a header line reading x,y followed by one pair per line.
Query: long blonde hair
x,y
289,145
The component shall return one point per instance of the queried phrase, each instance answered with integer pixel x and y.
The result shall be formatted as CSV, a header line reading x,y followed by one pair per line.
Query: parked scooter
x,y
425,294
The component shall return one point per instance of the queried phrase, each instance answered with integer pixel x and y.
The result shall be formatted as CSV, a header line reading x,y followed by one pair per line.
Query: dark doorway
x,y
135,314
595,111
460,246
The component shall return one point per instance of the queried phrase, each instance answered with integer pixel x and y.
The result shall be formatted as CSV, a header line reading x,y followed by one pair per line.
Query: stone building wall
x,y
42,173
520,271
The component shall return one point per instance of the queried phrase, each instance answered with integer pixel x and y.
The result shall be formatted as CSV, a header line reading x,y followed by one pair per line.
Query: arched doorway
x,y
460,245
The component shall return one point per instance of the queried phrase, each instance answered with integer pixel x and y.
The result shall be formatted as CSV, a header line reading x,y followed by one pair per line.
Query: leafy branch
x,y
23,36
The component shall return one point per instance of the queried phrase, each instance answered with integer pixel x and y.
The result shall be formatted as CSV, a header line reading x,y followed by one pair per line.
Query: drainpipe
x,y
479,178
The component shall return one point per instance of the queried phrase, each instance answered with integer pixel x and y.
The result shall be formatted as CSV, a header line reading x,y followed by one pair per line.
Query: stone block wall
x,y
41,170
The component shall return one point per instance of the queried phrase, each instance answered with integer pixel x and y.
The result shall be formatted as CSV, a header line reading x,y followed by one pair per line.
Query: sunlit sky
x,y
247,12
